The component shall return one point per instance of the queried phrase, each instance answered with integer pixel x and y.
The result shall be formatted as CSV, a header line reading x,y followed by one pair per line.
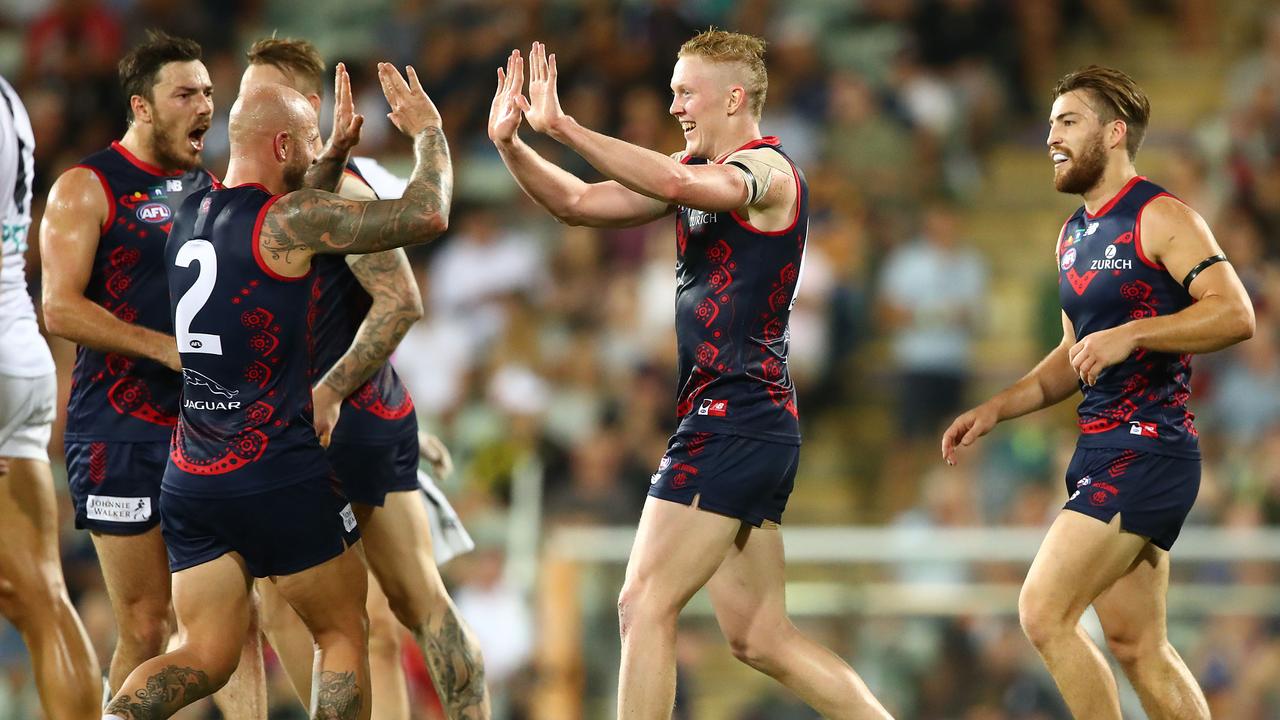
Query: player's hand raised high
x,y
542,108
411,110
346,123
505,112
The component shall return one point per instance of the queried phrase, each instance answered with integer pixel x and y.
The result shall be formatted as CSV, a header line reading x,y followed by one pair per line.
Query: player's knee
x,y
384,635
638,605
1130,645
144,626
28,598
1040,619
751,650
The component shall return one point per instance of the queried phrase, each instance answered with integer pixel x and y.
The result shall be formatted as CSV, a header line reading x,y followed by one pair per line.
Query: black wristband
x,y
1212,260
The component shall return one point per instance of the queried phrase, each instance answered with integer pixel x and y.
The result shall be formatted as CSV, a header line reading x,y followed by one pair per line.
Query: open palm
x,y
505,112
542,109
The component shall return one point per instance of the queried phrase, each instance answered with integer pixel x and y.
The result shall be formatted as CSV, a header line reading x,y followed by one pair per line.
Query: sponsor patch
x,y
118,509
714,408
348,518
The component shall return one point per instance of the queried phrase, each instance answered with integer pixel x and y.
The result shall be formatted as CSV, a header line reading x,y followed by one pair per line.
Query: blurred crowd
x,y
549,350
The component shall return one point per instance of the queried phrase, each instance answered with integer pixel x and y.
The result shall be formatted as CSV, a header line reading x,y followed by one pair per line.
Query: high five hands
x,y
541,108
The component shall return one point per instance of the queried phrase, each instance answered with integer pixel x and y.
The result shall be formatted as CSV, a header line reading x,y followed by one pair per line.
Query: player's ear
x,y
1118,133
737,99
280,146
141,108
314,99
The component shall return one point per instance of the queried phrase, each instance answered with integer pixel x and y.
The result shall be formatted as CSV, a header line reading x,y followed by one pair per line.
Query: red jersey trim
x,y
1137,233
111,199
143,166
1118,196
1062,236
257,247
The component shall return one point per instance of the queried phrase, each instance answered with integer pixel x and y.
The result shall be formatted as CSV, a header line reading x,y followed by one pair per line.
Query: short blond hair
x,y
722,46
297,59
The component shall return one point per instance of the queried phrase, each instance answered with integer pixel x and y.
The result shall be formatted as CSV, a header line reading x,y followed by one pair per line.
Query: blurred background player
x,y
1143,284
248,492
370,301
33,595
102,240
717,499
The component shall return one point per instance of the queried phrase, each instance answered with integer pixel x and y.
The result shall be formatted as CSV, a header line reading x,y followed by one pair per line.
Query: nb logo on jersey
x,y
714,408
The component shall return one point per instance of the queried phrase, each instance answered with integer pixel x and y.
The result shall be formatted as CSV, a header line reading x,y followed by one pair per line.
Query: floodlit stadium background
x,y
546,359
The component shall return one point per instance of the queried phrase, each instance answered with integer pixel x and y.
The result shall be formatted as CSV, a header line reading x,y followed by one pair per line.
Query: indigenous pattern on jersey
x,y
115,397
1105,280
244,335
381,409
735,288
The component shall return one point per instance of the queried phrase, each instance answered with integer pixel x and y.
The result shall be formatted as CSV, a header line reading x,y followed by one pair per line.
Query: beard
x,y
1085,170
294,174
171,146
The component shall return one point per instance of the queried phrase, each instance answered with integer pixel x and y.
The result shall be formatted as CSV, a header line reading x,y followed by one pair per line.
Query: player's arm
x,y
326,172
568,198
1176,237
69,233
309,221
711,187
1050,382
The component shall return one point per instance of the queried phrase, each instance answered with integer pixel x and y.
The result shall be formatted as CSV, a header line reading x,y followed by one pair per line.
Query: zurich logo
x,y
154,213
1110,251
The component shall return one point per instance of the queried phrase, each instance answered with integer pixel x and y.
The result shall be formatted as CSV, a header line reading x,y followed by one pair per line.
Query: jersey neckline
x,y
141,164
1117,198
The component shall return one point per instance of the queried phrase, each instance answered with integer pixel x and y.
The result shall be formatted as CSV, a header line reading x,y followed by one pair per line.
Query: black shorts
x,y
369,471
115,486
277,532
1153,493
730,475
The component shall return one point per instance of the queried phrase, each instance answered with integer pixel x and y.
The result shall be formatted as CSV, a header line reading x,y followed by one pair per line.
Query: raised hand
x,y
346,123
542,109
505,113
411,110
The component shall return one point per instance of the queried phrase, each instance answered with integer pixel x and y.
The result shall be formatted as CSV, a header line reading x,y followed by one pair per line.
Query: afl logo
x,y
154,213
1068,258
1110,251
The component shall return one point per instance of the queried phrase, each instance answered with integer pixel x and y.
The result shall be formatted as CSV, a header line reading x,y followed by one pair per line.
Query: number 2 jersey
x,y
243,331
1105,280
116,397
735,286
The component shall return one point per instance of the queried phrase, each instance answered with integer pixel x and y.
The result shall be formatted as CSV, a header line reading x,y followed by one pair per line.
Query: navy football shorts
x,y
115,486
1153,493
277,532
369,471
730,475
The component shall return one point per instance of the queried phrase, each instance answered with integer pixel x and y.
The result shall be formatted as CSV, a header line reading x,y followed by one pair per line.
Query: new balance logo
x,y
714,408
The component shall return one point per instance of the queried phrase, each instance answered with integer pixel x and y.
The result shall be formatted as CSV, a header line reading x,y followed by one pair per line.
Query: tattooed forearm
x,y
166,692
326,172
453,657
396,306
322,222
337,696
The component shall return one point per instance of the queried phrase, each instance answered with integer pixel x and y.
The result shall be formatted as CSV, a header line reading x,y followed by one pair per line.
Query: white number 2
x,y
201,251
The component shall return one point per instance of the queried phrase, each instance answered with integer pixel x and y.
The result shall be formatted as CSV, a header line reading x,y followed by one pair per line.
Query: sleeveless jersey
x,y
1105,280
23,352
115,397
244,336
381,409
735,286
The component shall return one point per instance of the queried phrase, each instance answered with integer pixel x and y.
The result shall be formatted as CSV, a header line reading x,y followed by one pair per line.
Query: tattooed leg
x,y
456,667
337,696
166,692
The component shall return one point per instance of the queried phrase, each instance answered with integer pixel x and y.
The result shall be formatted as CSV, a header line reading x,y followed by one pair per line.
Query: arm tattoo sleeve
x,y
387,278
321,222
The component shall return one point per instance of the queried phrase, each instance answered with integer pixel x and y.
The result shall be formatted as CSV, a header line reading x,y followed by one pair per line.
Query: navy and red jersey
x,y
243,332
1105,280
735,286
115,397
381,409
